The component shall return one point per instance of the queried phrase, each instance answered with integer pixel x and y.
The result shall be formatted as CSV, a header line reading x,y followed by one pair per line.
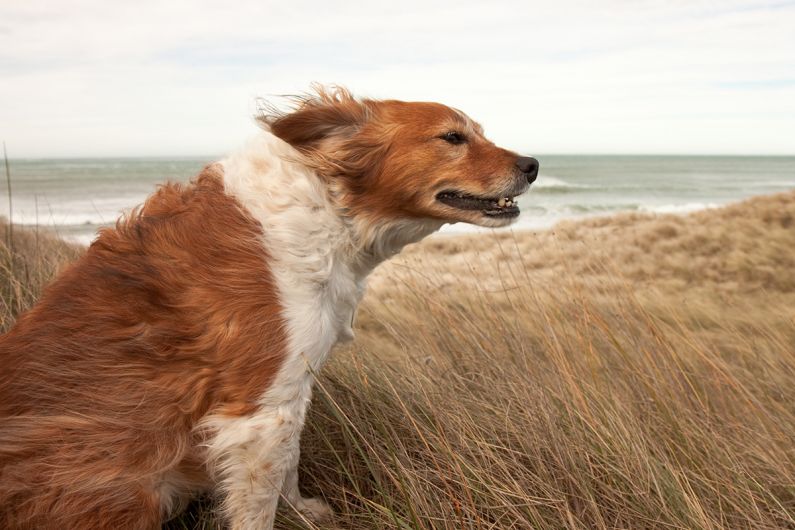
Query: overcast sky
x,y
105,78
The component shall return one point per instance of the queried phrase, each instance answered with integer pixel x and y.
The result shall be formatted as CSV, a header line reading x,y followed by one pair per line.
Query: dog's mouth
x,y
502,207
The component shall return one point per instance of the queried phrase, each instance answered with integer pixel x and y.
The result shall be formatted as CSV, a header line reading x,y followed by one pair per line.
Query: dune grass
x,y
628,372
28,260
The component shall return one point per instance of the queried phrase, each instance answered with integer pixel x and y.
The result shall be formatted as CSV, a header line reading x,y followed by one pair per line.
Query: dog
x,y
177,355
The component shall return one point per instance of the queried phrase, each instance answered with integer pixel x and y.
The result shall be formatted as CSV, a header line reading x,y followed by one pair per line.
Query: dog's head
x,y
393,161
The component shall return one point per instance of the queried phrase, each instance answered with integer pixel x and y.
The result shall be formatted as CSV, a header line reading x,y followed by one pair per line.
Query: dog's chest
x,y
308,246
320,310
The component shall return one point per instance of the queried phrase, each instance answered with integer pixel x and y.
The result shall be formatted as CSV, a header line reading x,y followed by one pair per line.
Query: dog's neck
x,y
373,245
301,217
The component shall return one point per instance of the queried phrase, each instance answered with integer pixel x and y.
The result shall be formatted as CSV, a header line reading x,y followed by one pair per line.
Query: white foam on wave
x,y
529,221
523,223
687,207
63,218
776,183
46,211
84,239
549,181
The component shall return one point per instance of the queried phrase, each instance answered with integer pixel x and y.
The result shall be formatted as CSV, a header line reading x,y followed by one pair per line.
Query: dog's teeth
x,y
501,202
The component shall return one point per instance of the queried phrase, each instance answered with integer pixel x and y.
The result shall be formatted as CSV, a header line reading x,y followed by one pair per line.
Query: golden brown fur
x,y
167,308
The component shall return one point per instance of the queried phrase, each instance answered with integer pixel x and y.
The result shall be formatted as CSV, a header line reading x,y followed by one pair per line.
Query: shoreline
x,y
84,233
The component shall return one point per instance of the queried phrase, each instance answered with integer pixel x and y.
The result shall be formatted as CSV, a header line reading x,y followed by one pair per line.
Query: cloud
x,y
160,78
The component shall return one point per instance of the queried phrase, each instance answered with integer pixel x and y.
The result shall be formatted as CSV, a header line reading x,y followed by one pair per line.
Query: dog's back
x,y
105,378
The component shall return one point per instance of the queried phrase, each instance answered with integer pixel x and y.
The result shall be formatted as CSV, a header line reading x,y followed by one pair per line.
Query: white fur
x,y
320,260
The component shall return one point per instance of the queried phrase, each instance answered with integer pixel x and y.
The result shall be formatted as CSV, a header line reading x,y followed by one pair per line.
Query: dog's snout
x,y
529,166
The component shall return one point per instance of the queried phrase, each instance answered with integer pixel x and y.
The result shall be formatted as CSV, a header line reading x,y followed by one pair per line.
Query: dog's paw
x,y
315,509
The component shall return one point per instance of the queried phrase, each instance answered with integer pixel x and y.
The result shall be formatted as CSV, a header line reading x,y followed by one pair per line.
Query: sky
x,y
181,78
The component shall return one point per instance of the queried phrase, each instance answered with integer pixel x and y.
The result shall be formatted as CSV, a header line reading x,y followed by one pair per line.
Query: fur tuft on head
x,y
335,132
323,113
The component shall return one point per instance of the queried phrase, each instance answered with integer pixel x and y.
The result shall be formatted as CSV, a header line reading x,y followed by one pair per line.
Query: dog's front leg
x,y
250,457
313,508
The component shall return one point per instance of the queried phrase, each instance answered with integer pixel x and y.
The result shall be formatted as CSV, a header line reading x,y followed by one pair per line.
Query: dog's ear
x,y
327,115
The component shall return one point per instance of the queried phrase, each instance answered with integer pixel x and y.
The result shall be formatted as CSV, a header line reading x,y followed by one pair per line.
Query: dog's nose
x,y
529,166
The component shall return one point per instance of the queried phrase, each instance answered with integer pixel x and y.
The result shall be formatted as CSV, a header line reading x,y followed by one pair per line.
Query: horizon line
x,y
541,154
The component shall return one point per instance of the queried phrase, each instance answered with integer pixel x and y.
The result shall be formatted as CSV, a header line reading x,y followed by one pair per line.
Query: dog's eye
x,y
453,137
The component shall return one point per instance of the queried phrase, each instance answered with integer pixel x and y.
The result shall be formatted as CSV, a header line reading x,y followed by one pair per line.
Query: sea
x,y
75,197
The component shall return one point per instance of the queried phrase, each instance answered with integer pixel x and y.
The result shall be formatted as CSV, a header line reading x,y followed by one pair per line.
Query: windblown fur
x,y
177,355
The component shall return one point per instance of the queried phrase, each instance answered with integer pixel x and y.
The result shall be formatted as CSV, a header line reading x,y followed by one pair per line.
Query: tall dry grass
x,y
28,260
630,372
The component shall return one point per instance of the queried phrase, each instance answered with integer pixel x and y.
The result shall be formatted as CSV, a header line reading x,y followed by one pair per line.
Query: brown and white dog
x,y
178,354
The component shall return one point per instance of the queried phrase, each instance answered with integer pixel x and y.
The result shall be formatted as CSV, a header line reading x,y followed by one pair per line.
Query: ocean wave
x,y
71,210
776,183
577,209
536,218
679,208
550,184
87,219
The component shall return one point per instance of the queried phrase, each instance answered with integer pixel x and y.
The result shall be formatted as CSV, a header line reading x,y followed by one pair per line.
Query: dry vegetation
x,y
28,260
629,372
